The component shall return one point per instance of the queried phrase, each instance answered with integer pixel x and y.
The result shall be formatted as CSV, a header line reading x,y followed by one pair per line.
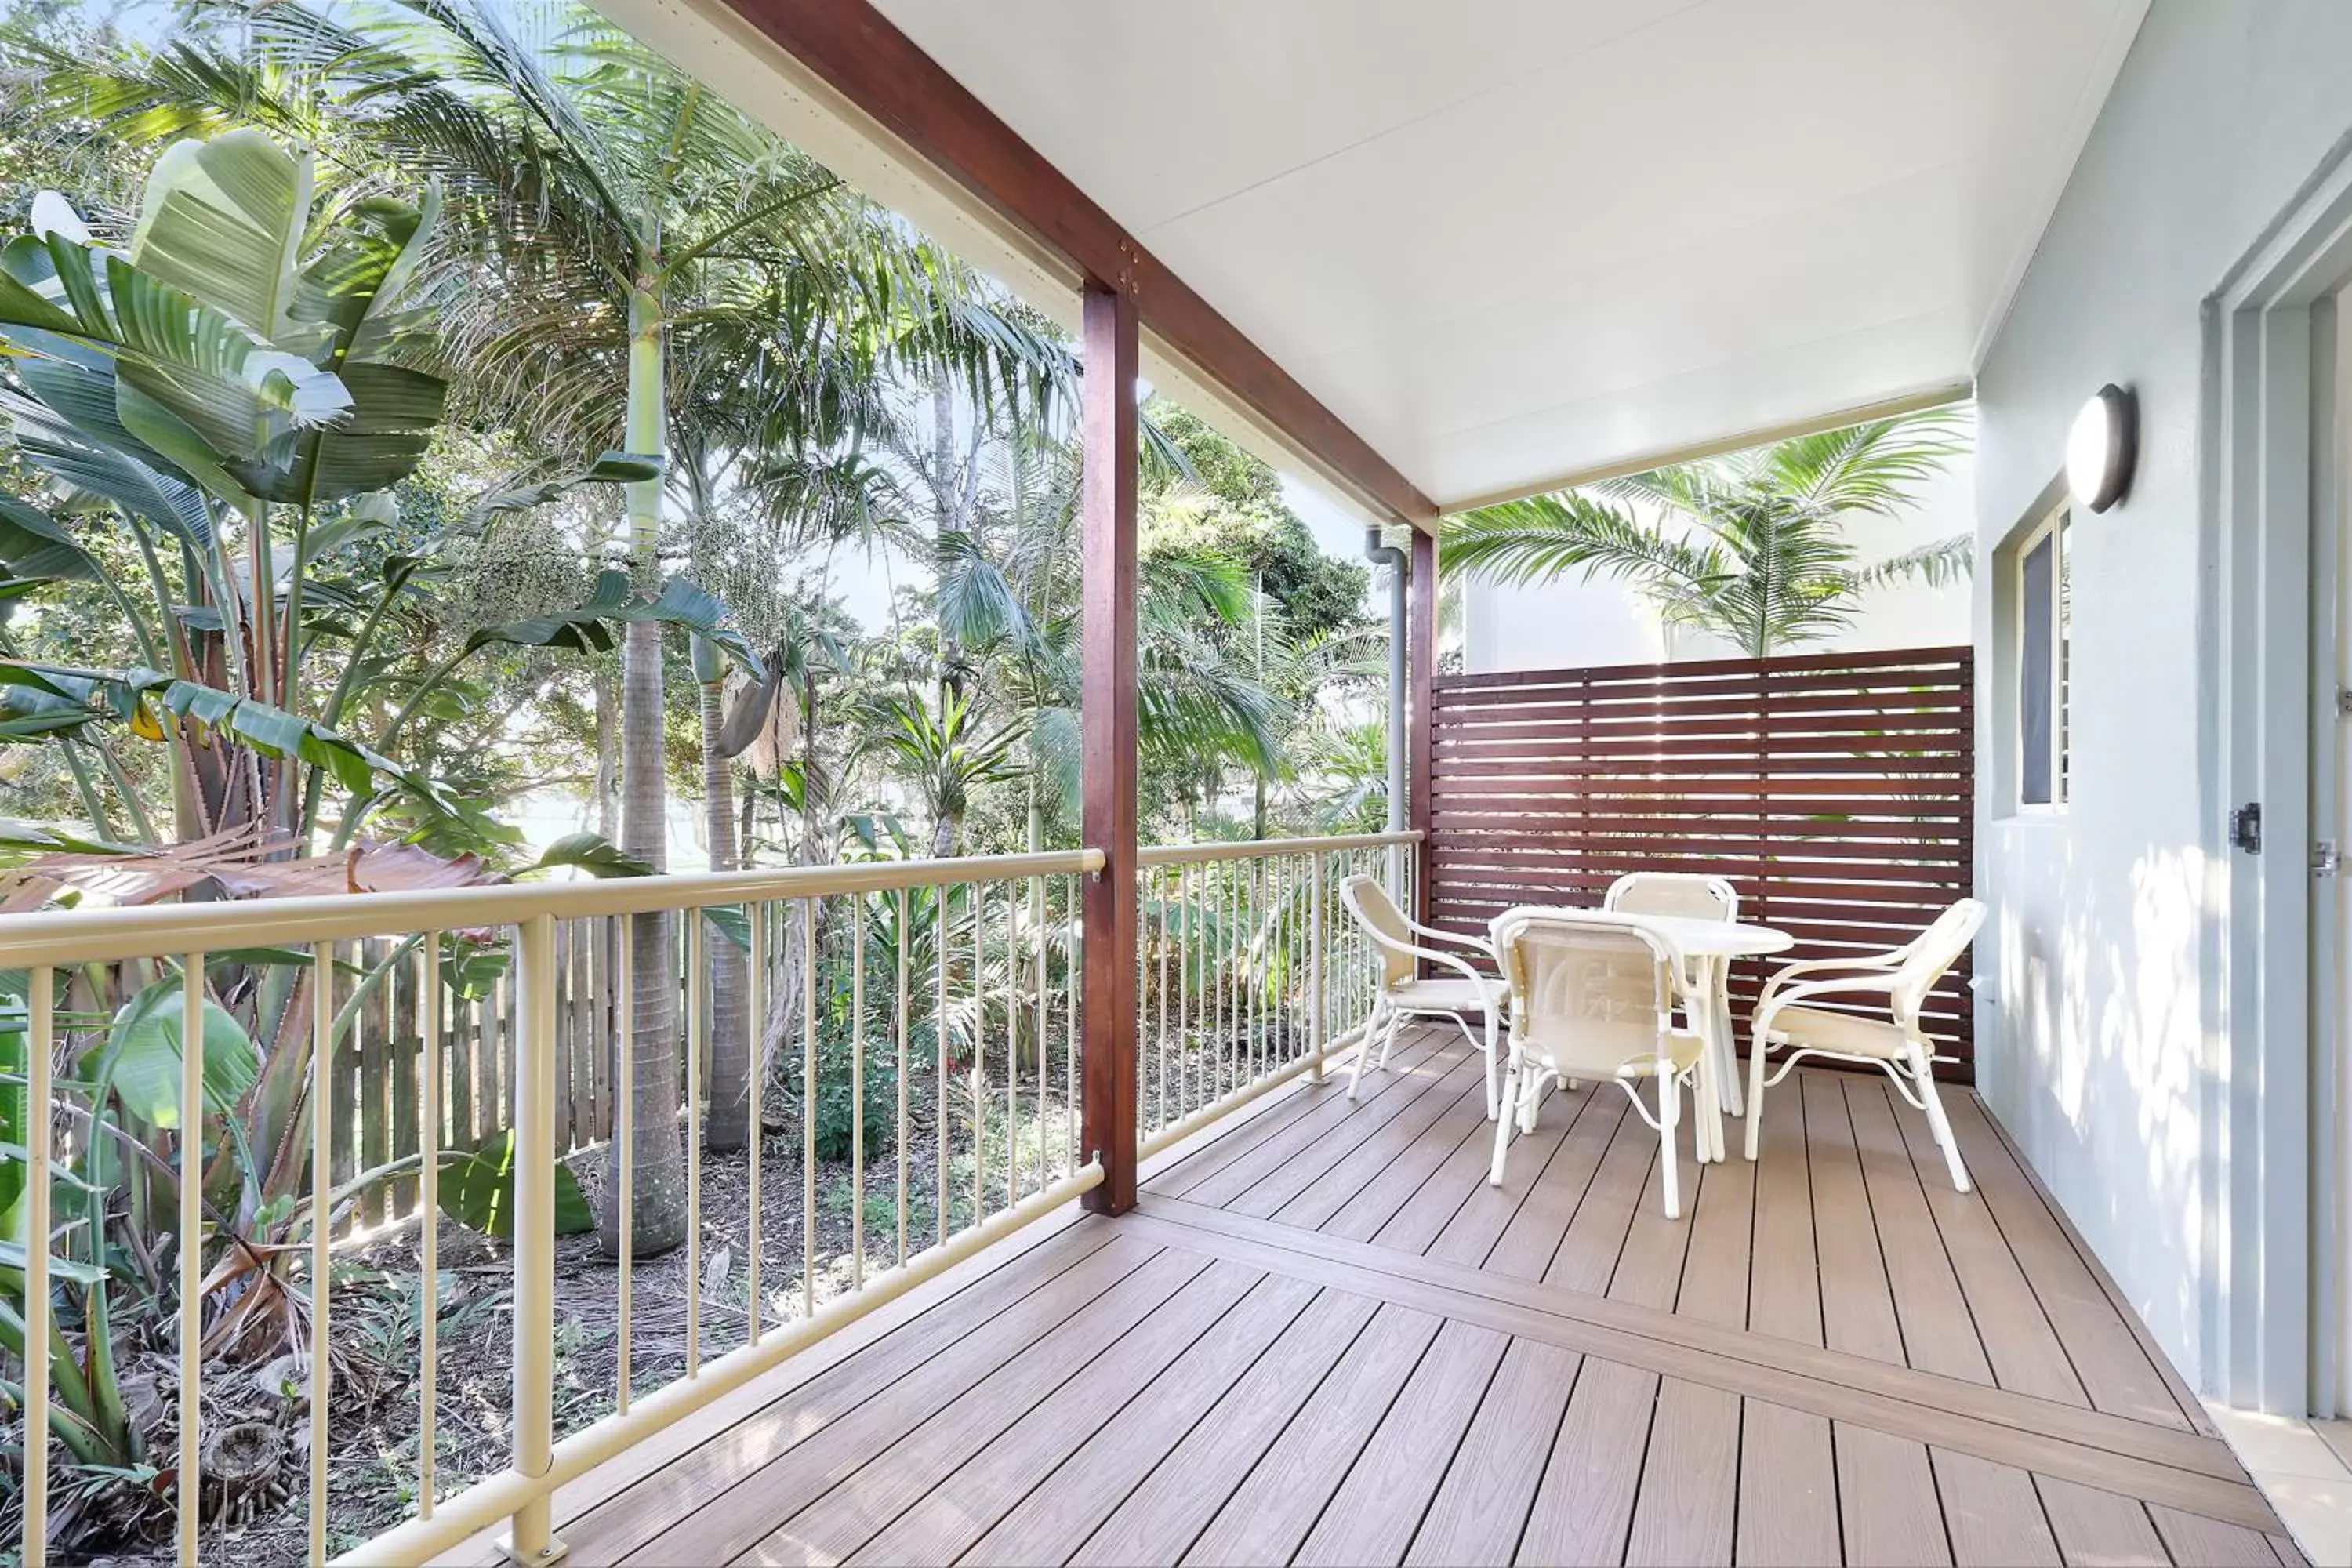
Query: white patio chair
x,y
1593,996
1896,1044
1404,992
1686,895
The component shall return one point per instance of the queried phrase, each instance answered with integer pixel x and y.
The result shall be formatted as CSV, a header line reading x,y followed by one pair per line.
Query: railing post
x,y
1420,721
1315,944
531,1540
1108,526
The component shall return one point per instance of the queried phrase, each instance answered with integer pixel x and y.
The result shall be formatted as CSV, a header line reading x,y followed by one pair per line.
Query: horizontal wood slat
x,y
1834,791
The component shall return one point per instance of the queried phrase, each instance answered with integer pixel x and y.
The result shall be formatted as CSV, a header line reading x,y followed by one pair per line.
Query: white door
x,y
2331,816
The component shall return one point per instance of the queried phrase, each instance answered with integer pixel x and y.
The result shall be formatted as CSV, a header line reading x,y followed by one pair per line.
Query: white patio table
x,y
1705,948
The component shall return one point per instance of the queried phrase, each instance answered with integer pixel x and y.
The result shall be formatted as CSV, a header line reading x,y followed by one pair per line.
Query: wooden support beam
x,y
1421,672
1107,688
855,52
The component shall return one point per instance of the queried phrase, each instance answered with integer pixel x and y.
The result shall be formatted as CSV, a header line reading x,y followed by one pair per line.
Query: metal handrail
x,y
1261,848
1263,1015
67,937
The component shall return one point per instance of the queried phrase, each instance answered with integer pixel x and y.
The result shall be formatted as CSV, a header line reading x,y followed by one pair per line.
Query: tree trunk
x,y
729,1123
659,1220
608,756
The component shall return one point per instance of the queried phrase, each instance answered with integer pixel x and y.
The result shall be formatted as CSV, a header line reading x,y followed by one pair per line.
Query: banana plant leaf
x,y
477,1192
142,1054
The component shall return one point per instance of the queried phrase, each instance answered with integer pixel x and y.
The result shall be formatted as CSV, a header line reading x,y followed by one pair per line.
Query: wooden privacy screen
x,y
1834,791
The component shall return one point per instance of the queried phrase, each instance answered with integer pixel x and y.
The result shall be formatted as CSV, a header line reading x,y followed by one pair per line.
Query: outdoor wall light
x,y
2103,447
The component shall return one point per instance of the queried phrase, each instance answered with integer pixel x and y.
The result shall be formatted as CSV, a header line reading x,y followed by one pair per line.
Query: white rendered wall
x,y
1572,623
2095,1042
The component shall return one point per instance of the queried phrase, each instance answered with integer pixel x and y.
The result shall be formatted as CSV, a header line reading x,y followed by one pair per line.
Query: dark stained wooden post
x,y
1421,723
1108,718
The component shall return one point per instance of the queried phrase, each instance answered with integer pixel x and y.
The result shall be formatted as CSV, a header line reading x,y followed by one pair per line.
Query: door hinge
x,y
2326,859
2343,702
2246,827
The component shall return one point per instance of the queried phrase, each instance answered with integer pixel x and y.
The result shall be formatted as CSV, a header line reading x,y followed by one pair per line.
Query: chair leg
x,y
1388,1038
1923,1073
1669,1117
1503,1128
1757,1051
1364,1052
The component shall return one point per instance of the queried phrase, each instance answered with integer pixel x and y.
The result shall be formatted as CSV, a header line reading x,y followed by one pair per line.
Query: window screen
x,y
2036,671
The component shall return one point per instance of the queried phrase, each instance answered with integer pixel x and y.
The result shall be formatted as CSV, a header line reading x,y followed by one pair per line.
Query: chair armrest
x,y
1432,954
1479,944
1768,1005
1787,972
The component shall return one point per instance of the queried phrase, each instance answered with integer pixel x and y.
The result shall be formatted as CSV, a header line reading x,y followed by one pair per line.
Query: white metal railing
x,y
981,953
1252,971
957,982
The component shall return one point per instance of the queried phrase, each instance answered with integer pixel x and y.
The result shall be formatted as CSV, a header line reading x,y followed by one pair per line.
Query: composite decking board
x,y
1313,1188
1482,1505
1430,1209
1379,1507
1939,1334
2199,1419
1991,1513
840,1511
2012,1327
1784,1282
1584,1505
2107,1353
1715,1270
1587,1258
2209,1543
1157,1523
1923,1408
611,1530
1526,1248
1788,1489
995,1426
1887,1507
1857,1305
2100,1529
1483,1216
1262,1185
1071,1502
731,1517
1375,1270
955,1510
1418,1173
1265,1140
1269,1516
1690,1481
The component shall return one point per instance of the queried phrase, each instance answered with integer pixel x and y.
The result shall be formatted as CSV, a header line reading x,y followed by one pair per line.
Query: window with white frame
x,y
2040,591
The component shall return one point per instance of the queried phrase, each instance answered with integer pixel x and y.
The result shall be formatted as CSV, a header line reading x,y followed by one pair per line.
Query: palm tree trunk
x,y
608,756
728,1125
659,1220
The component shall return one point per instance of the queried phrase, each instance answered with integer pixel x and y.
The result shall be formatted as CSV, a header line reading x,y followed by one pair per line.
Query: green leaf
x,y
15,1259
222,220
609,468
733,921
141,1056
478,1191
35,545
581,629
590,852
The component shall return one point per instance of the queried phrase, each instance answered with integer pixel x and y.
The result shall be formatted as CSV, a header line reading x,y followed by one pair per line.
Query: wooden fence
x,y
1834,791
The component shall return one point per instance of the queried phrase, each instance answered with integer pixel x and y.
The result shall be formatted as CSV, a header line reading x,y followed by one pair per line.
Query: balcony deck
x,y
1321,1338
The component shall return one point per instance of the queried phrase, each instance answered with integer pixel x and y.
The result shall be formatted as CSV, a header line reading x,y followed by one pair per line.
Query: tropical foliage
x,y
1753,547
415,422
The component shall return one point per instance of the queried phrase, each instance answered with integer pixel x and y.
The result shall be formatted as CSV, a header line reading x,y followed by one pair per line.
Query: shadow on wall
x,y
2110,1070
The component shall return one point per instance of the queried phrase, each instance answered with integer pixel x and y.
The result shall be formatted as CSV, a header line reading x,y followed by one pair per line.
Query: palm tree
x,y
1765,562
630,246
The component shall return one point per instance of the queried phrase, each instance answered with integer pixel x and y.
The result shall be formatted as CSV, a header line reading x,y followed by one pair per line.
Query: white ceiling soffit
x,y
1512,242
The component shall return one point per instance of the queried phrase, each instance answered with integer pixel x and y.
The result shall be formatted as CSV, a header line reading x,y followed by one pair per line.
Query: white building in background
x,y
1570,623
